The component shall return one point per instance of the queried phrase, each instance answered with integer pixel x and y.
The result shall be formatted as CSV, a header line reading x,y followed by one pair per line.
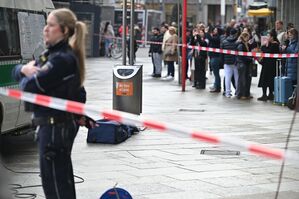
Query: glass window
x,y
9,32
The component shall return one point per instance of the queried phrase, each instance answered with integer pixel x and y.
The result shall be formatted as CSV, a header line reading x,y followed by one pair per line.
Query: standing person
x,y
166,35
155,52
214,42
291,63
279,31
230,69
108,37
243,66
268,71
135,47
61,76
199,59
171,53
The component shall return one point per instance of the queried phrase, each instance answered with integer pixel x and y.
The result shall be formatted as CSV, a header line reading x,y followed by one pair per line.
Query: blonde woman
x,y
170,52
60,73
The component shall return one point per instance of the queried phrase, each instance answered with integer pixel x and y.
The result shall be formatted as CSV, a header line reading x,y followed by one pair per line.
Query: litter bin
x,y
127,88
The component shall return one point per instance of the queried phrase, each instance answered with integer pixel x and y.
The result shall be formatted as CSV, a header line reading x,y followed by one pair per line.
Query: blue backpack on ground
x,y
116,193
110,132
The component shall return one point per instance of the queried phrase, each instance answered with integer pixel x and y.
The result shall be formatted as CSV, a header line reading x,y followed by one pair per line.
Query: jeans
x,y
157,61
229,71
107,46
215,65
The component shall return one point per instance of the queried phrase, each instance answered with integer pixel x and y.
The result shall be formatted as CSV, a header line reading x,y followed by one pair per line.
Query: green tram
x,y
21,25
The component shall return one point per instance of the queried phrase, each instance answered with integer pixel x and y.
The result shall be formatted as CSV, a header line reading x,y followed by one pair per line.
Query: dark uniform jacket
x,y
59,77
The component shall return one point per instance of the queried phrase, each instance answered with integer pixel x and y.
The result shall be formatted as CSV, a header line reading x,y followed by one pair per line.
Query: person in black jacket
x,y
229,61
214,42
243,66
200,59
268,71
155,52
60,75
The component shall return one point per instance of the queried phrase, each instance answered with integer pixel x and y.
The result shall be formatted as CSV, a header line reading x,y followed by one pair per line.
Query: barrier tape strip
x,y
130,119
225,51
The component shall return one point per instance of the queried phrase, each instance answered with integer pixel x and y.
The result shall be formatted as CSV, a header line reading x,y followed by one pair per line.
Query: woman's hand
x,y
29,69
283,47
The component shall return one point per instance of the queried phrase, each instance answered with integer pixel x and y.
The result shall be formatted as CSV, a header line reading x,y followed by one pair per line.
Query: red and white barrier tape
x,y
130,119
231,52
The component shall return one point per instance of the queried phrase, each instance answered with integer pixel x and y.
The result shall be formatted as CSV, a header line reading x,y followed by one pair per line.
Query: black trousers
x,y
200,72
55,146
244,81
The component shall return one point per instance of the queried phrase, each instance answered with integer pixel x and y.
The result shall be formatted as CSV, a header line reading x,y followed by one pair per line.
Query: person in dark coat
x,y
291,63
155,52
200,59
243,66
214,42
230,69
268,67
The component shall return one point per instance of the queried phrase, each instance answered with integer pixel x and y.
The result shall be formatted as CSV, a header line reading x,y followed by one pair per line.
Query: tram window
x,y
9,32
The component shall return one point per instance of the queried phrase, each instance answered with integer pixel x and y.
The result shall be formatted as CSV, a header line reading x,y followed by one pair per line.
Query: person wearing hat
x,y
229,61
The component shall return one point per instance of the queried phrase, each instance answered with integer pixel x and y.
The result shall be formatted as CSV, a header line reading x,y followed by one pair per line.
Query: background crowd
x,y
238,70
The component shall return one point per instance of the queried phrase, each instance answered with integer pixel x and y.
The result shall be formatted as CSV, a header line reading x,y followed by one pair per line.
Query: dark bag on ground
x,y
110,132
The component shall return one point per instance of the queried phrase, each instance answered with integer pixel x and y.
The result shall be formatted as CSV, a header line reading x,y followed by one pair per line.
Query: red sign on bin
x,y
124,88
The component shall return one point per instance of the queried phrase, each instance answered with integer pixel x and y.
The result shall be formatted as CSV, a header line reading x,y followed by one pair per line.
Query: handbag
x,y
169,51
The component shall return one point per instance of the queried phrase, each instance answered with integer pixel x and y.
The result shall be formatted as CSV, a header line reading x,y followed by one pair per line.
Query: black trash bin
x,y
127,88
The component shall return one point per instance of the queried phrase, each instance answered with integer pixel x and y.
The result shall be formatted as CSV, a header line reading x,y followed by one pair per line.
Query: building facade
x,y
287,11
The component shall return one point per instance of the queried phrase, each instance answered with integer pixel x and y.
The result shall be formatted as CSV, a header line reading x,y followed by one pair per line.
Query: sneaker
x,y
263,98
228,96
169,78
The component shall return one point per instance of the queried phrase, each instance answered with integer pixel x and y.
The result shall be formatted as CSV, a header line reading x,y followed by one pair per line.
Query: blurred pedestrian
x,y
243,66
108,37
268,71
230,69
291,63
170,52
200,57
214,42
155,52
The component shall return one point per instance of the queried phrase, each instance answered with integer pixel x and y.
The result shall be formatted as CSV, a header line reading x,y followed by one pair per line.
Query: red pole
x,y
184,42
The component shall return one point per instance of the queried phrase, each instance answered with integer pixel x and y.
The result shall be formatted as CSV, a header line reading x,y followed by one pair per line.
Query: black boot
x,y
270,97
263,98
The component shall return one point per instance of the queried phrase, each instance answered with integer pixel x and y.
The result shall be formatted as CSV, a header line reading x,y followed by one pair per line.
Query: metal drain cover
x,y
191,110
219,152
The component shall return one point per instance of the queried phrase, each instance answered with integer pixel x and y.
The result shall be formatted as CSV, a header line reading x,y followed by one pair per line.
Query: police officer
x,y
59,73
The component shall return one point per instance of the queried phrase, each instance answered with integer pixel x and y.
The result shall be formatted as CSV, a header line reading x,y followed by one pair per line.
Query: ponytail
x,y
77,42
